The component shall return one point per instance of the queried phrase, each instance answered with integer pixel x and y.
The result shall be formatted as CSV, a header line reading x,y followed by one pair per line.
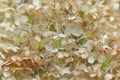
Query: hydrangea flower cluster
x,y
59,40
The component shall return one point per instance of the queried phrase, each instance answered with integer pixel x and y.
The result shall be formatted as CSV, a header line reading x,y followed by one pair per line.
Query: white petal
x,y
38,38
76,31
23,18
116,6
108,76
37,3
111,18
54,50
65,71
60,55
91,59
72,18
17,22
82,50
62,35
48,47
13,58
57,6
74,9
67,31
84,55
93,74
48,34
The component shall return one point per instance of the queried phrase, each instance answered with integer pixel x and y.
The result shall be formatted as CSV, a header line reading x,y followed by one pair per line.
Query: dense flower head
x,y
59,39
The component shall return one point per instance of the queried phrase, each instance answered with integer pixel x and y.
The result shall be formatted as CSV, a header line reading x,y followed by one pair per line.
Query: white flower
x,y
48,47
71,40
76,31
37,3
91,59
82,50
84,55
68,30
23,18
37,38
60,55
65,71
111,18
116,6
104,38
62,35
74,9
57,6
108,76
76,73
54,50
93,10
27,51
48,34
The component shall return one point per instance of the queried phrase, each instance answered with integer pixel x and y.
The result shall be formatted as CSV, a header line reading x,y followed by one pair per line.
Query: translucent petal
x,y
60,55
84,55
108,76
62,35
23,18
17,22
48,47
37,3
76,31
68,30
38,38
74,9
71,17
65,71
91,59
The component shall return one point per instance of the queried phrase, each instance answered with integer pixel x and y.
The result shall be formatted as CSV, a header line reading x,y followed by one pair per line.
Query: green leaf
x,y
41,72
105,64
82,41
81,14
58,43
21,39
41,44
52,28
